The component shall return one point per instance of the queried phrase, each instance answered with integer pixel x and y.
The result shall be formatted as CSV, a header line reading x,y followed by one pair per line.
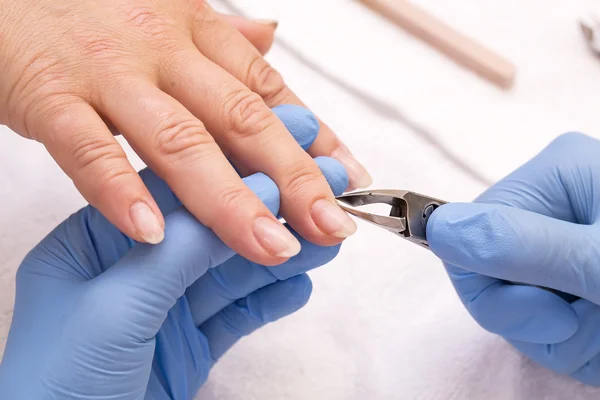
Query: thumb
x,y
519,246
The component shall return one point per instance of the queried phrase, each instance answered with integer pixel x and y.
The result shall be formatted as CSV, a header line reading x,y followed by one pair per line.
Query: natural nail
x,y
270,22
275,238
332,220
146,223
357,174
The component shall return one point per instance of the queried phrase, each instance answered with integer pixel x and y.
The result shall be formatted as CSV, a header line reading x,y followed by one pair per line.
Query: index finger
x,y
250,68
177,146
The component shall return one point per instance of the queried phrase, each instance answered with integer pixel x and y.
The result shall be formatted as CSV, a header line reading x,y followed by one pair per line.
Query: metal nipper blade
x,y
408,216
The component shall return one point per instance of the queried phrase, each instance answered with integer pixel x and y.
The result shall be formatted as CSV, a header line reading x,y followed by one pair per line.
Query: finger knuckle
x,y
114,177
266,80
58,119
47,117
301,177
246,114
147,20
91,148
100,160
234,197
37,91
182,138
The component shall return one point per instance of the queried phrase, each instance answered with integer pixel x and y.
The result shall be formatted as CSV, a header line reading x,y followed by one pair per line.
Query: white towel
x,y
384,321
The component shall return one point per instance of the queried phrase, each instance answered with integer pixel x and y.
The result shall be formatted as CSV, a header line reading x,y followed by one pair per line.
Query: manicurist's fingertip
x,y
300,122
358,175
335,173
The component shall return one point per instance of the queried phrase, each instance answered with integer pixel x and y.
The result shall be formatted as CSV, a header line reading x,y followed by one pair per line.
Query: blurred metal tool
x,y
459,47
590,27
408,216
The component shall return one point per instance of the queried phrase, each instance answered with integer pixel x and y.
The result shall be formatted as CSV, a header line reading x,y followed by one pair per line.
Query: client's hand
x,y
98,316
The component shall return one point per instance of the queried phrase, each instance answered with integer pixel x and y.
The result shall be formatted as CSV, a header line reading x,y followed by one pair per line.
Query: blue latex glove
x,y
538,226
100,317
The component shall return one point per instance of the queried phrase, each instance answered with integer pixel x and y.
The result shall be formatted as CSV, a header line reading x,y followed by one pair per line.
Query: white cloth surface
x,y
384,321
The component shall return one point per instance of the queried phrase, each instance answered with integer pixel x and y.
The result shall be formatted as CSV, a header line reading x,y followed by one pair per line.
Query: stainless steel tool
x,y
409,213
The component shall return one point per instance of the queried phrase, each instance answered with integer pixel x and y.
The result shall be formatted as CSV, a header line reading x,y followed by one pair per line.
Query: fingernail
x,y
332,220
270,22
275,238
357,174
146,223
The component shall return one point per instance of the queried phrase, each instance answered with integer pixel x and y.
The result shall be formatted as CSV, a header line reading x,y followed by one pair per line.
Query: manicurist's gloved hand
x,y
538,226
98,316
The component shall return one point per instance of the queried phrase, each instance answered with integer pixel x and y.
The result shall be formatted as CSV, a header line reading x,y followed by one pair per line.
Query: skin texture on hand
x,y
192,96
537,229
148,322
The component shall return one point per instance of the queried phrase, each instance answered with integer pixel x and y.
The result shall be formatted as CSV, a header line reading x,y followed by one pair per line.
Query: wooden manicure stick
x,y
438,34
